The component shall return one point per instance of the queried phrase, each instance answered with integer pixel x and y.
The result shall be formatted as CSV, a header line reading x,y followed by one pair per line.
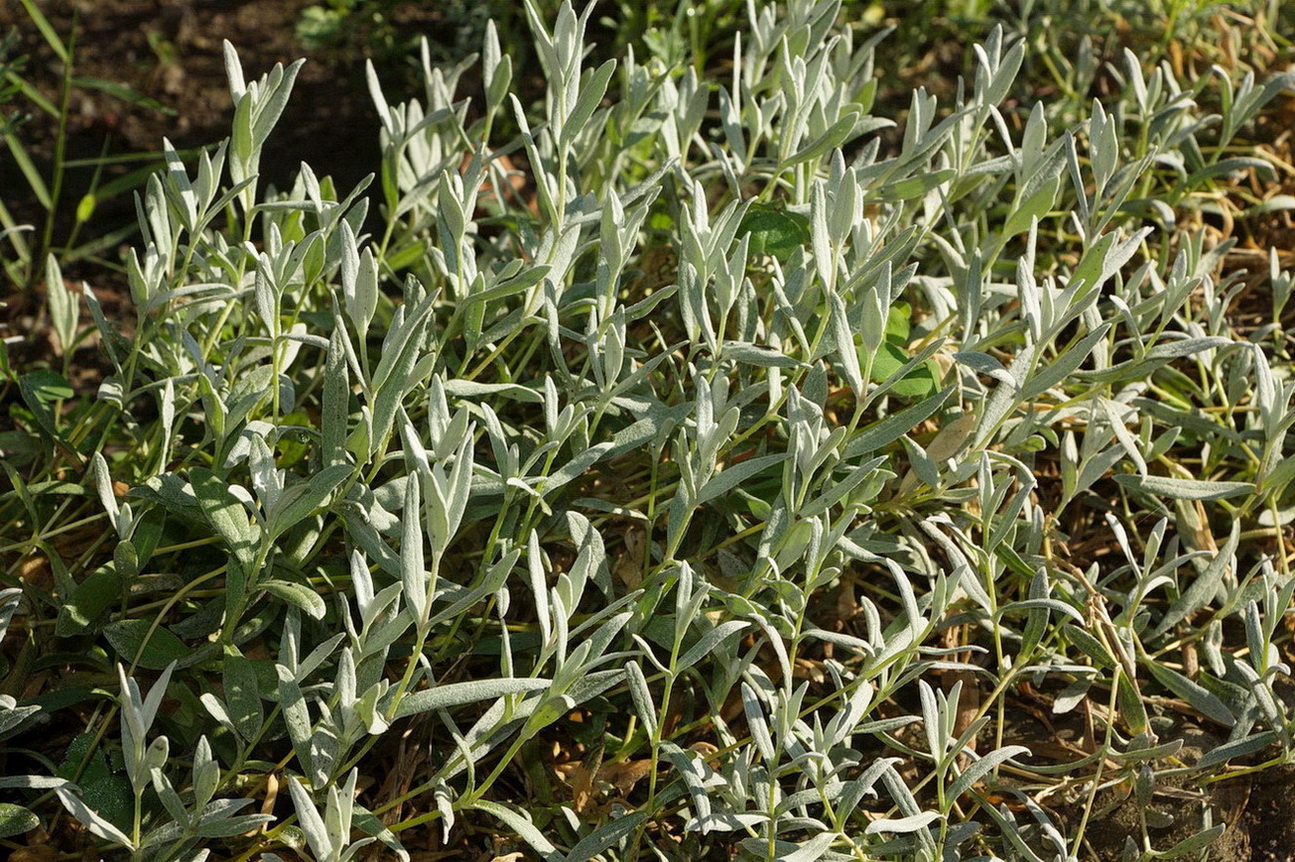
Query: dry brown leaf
x,y
946,444
810,669
623,775
271,796
628,564
581,781
34,569
34,853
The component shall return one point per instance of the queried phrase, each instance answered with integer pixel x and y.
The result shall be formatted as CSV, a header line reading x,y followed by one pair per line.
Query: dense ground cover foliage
x,y
711,457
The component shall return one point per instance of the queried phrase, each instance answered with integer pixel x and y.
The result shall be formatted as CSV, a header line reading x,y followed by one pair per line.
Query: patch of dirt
x,y
170,54
1269,815
149,69
1258,811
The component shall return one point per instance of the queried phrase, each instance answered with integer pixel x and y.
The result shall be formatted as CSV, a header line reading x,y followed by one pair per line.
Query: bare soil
x,y
169,53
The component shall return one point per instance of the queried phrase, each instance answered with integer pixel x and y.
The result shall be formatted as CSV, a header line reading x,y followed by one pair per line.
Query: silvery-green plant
x,y
781,529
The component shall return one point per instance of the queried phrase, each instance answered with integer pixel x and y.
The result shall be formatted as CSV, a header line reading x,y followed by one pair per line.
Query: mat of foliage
x,y
686,466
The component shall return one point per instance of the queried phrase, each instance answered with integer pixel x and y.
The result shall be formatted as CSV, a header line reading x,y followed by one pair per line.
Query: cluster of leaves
x,y
716,482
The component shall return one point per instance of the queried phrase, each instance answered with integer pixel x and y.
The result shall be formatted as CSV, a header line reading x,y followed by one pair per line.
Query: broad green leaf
x,y
40,390
898,322
15,820
155,647
918,383
774,231
92,598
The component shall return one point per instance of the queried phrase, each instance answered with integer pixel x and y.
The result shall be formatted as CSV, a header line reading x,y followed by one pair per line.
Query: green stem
x,y
60,142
